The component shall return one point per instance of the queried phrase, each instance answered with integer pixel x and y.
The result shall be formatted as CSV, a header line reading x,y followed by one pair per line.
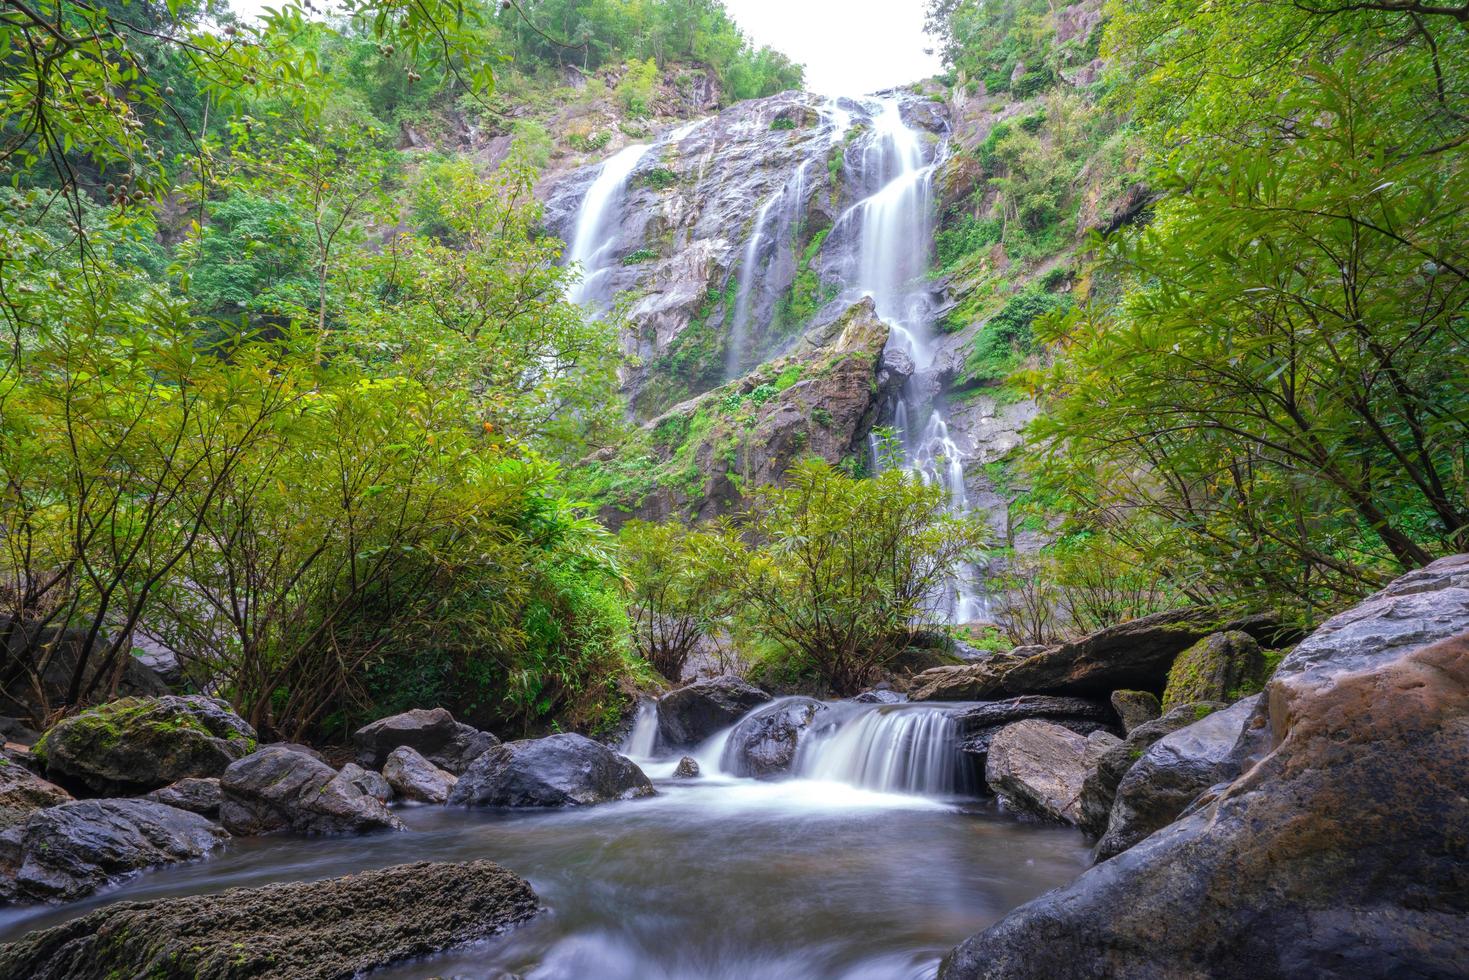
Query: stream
x,y
715,878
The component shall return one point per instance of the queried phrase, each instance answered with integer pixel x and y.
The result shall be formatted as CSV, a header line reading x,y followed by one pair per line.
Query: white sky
x,y
849,47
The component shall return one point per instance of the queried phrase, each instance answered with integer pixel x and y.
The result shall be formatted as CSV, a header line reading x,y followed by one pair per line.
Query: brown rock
x,y
1040,767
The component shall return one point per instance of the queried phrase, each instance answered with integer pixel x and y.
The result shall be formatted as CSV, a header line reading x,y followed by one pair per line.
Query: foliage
x,y
1276,407
675,599
1006,338
635,91
840,571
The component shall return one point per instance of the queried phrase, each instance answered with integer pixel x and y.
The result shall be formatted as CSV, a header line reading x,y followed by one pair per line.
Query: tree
x,y
675,598
840,571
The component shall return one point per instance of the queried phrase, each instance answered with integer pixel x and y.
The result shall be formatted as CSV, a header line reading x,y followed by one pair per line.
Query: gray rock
x,y
969,682
980,724
1135,708
1039,767
1100,788
371,783
17,732
432,732
1175,770
277,789
314,930
687,768
134,745
558,770
22,793
877,696
764,743
195,794
1338,855
415,778
68,851
690,714
1135,654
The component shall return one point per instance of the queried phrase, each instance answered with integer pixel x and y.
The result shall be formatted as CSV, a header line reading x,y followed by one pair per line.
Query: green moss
x,y
659,179
783,124
640,256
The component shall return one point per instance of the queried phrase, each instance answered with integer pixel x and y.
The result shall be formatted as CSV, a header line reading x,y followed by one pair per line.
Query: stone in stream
x,y
1220,667
980,724
316,930
880,696
22,793
764,743
432,732
279,789
369,782
133,745
1039,767
1135,708
1100,788
690,714
65,852
1176,770
558,770
201,796
687,768
1134,654
1340,854
967,682
415,778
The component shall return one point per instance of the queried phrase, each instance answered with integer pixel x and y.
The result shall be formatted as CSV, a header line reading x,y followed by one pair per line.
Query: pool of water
x,y
712,878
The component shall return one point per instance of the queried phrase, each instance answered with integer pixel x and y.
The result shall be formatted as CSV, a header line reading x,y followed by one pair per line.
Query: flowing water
x,y
593,237
864,865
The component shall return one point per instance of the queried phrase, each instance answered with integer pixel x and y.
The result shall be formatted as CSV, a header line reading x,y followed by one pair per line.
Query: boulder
x,y
696,711
22,793
1135,708
16,732
1100,788
764,744
687,768
134,745
1135,654
980,724
195,794
879,696
1176,770
1039,767
558,770
371,783
68,851
278,789
1337,855
314,930
969,682
1220,667
432,732
415,778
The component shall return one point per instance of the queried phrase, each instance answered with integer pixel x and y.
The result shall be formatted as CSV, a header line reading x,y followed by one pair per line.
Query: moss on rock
x,y
1221,667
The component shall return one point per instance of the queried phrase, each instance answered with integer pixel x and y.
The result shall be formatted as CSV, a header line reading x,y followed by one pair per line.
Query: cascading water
x,y
892,749
596,221
643,738
891,262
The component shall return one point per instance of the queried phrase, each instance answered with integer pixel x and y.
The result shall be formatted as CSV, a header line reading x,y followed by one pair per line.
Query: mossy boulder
x,y
134,745
1221,667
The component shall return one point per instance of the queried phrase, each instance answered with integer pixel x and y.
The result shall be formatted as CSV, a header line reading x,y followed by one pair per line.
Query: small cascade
x,y
643,738
596,225
892,749
748,273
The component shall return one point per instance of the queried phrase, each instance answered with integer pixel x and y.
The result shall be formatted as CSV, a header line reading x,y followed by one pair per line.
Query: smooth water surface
x,y
714,878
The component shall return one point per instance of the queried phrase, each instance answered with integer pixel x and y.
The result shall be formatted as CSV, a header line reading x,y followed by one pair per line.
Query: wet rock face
x,y
277,789
371,783
1175,771
764,744
969,682
1135,708
22,793
981,723
1100,788
415,778
1338,855
134,745
687,768
692,713
1134,654
66,852
558,770
432,732
201,796
1039,767
341,927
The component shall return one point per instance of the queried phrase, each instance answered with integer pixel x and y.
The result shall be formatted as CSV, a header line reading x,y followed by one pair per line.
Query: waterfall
x,y
893,749
596,224
895,225
748,273
643,738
